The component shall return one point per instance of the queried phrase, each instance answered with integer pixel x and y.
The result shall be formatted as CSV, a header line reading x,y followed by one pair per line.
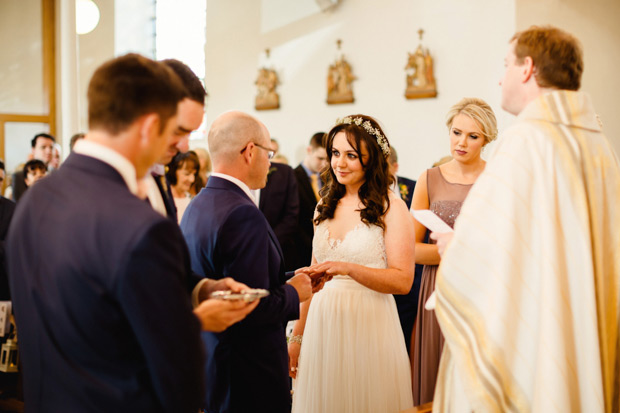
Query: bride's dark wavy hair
x,y
374,191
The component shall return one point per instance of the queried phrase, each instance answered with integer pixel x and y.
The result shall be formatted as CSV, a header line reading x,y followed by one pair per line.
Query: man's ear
x,y
528,68
248,155
309,149
149,128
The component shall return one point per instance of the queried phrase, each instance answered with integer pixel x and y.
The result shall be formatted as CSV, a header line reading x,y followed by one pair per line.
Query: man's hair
x,y
557,56
128,87
318,140
1,164
33,165
75,138
33,142
195,89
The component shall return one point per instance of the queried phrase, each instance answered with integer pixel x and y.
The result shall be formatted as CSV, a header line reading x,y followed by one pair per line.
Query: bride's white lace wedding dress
x,y
353,357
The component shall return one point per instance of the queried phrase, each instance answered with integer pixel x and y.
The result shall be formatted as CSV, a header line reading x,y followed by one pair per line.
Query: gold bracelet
x,y
295,339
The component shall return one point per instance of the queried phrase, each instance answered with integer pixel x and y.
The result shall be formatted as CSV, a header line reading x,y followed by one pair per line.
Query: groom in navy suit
x,y
247,365
97,277
99,280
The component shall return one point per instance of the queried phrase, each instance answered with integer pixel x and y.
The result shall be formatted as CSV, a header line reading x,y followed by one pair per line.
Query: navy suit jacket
x,y
247,365
279,203
99,288
166,194
407,304
18,183
7,207
307,205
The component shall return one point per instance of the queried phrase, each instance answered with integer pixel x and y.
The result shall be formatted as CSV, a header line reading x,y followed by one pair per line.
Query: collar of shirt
x,y
112,158
310,173
158,169
237,182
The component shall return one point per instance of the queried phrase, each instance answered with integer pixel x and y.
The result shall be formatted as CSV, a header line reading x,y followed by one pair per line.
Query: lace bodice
x,y
364,245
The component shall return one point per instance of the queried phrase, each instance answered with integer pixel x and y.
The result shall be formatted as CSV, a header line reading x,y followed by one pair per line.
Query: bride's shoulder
x,y
396,202
397,211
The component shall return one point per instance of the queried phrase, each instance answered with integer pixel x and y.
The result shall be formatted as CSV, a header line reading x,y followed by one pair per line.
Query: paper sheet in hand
x,y
431,221
430,303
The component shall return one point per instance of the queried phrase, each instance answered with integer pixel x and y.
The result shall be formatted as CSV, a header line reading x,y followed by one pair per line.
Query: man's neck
x,y
533,93
124,144
236,171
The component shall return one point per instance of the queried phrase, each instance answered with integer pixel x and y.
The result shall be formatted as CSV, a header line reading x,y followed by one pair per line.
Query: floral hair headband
x,y
381,140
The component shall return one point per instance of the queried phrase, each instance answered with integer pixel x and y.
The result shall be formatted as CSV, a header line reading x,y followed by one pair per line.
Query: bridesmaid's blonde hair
x,y
478,110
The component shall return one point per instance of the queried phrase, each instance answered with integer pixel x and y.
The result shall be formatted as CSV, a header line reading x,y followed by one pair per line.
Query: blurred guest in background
x,y
309,183
279,202
34,170
75,138
56,155
402,186
6,213
278,157
42,149
182,173
203,172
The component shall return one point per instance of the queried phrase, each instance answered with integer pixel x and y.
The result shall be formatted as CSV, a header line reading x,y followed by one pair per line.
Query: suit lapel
x,y
274,240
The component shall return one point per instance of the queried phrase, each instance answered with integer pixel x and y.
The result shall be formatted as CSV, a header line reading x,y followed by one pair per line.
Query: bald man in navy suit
x,y
247,365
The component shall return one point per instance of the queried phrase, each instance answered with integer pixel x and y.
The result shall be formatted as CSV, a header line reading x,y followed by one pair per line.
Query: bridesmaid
x,y
472,125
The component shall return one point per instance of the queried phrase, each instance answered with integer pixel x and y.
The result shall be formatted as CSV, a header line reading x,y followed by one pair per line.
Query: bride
x,y
353,356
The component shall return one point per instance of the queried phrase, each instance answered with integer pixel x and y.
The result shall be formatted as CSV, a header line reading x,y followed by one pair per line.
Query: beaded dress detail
x,y
353,357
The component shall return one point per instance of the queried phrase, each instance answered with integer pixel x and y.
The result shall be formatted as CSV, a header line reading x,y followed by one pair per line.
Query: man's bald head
x,y
230,132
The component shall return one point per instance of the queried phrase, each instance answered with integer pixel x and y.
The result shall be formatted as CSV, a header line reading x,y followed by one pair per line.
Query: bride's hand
x,y
293,358
329,269
302,269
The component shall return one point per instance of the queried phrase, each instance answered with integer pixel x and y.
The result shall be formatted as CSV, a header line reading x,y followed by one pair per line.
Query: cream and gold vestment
x,y
528,290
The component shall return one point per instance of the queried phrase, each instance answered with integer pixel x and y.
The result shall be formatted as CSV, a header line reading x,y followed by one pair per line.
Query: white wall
x,y
468,41
94,49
